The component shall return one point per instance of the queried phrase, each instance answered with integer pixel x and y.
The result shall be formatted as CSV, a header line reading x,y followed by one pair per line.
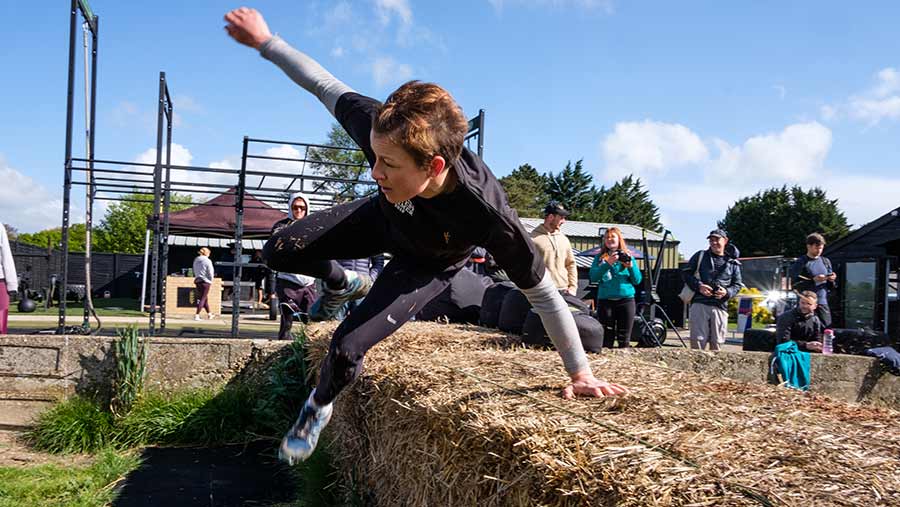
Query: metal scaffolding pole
x,y
238,240
157,190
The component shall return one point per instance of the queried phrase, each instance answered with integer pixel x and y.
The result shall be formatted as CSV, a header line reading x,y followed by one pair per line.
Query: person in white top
x,y
203,279
9,282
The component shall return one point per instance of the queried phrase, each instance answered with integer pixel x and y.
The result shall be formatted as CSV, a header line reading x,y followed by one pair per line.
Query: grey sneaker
x,y
300,441
331,301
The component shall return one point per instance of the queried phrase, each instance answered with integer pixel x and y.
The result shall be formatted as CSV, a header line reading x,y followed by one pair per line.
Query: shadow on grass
x,y
230,475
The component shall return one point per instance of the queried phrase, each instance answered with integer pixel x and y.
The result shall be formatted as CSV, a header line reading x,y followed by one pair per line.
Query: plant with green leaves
x,y
131,363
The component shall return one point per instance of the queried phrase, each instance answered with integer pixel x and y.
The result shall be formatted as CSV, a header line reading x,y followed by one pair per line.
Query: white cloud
x,y
794,154
385,71
29,206
651,147
394,8
337,51
880,102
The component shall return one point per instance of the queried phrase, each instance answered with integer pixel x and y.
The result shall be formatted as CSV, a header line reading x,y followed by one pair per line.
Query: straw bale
x,y
452,415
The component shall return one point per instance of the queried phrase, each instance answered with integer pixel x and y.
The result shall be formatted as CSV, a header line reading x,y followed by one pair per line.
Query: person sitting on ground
x,y
556,249
296,292
203,279
813,271
616,274
436,200
802,324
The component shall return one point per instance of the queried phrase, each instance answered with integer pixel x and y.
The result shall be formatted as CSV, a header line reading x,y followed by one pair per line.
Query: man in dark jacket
x,y
801,324
715,277
813,272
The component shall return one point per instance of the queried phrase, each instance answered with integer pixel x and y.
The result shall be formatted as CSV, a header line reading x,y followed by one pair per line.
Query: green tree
x,y
525,190
344,161
626,202
125,222
53,237
776,221
574,188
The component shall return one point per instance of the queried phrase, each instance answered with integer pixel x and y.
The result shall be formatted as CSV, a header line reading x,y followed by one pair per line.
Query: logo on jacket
x,y
405,207
447,237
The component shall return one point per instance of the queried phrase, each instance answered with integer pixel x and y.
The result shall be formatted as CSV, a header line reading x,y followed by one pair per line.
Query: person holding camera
x,y
9,282
715,277
556,249
616,274
813,272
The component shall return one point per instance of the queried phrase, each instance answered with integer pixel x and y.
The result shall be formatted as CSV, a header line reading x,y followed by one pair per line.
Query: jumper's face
x,y
815,250
299,209
807,305
717,244
396,172
612,241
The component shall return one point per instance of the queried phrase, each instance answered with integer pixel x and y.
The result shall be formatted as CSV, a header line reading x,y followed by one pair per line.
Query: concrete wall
x,y
37,370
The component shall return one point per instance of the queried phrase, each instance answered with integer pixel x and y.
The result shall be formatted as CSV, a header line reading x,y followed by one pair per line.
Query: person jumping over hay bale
x,y
436,202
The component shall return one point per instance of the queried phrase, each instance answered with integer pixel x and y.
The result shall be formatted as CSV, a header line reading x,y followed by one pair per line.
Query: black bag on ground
x,y
590,331
513,312
760,340
491,302
460,302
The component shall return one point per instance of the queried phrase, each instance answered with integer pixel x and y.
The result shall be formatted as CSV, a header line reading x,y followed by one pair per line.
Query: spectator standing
x,y
812,271
715,277
296,292
615,273
203,279
556,249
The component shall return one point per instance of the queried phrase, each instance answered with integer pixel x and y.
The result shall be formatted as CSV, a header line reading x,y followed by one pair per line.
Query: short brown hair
x,y
424,119
815,239
808,294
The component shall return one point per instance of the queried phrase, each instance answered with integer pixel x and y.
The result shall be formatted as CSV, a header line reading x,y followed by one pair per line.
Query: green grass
x,y
74,425
56,486
122,307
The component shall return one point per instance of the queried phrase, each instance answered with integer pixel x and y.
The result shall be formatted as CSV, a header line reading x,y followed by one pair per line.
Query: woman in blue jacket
x,y
616,275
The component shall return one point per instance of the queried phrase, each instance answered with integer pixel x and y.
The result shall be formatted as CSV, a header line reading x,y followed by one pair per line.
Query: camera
x,y
623,256
715,287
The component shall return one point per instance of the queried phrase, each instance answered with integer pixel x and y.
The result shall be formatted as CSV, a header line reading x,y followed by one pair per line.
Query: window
x,y
859,294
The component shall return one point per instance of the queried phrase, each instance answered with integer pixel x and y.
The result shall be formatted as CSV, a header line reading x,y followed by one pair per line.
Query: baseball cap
x,y
556,208
717,232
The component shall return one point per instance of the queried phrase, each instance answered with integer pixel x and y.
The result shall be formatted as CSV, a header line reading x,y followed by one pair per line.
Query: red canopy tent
x,y
216,217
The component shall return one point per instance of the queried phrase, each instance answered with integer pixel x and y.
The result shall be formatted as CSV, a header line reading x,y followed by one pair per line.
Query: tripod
x,y
653,331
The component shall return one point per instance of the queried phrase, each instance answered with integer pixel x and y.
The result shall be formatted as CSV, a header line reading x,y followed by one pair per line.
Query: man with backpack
x,y
715,277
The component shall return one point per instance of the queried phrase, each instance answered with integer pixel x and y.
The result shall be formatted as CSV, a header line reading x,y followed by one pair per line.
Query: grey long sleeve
x,y
304,71
559,323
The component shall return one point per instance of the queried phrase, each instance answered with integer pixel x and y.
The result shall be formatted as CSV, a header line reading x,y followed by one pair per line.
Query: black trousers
x,y
301,297
352,231
617,317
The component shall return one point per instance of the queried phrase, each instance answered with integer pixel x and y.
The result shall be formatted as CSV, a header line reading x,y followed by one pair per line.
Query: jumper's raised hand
x,y
247,26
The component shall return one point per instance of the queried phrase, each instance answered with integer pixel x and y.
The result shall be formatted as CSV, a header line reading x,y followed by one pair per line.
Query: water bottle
x,y
828,342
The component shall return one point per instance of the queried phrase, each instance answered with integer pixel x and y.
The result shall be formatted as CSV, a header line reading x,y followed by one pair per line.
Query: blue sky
x,y
706,101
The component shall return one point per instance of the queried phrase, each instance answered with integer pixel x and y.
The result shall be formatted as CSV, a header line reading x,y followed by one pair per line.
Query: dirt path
x,y
14,452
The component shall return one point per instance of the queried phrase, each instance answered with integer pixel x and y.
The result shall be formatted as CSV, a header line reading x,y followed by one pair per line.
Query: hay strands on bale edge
x,y
745,490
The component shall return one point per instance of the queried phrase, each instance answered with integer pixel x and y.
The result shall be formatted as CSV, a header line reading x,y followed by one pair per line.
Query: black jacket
x,y
727,276
793,325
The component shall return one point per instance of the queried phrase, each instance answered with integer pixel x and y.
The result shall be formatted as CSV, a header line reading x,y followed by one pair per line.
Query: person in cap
x,y
436,201
203,279
715,277
555,248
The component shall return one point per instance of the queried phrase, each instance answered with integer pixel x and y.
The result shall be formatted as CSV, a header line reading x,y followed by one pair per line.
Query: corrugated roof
x,y
589,229
248,244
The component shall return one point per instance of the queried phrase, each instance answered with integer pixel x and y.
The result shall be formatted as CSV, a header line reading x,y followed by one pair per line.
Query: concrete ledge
x,y
37,370
854,379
